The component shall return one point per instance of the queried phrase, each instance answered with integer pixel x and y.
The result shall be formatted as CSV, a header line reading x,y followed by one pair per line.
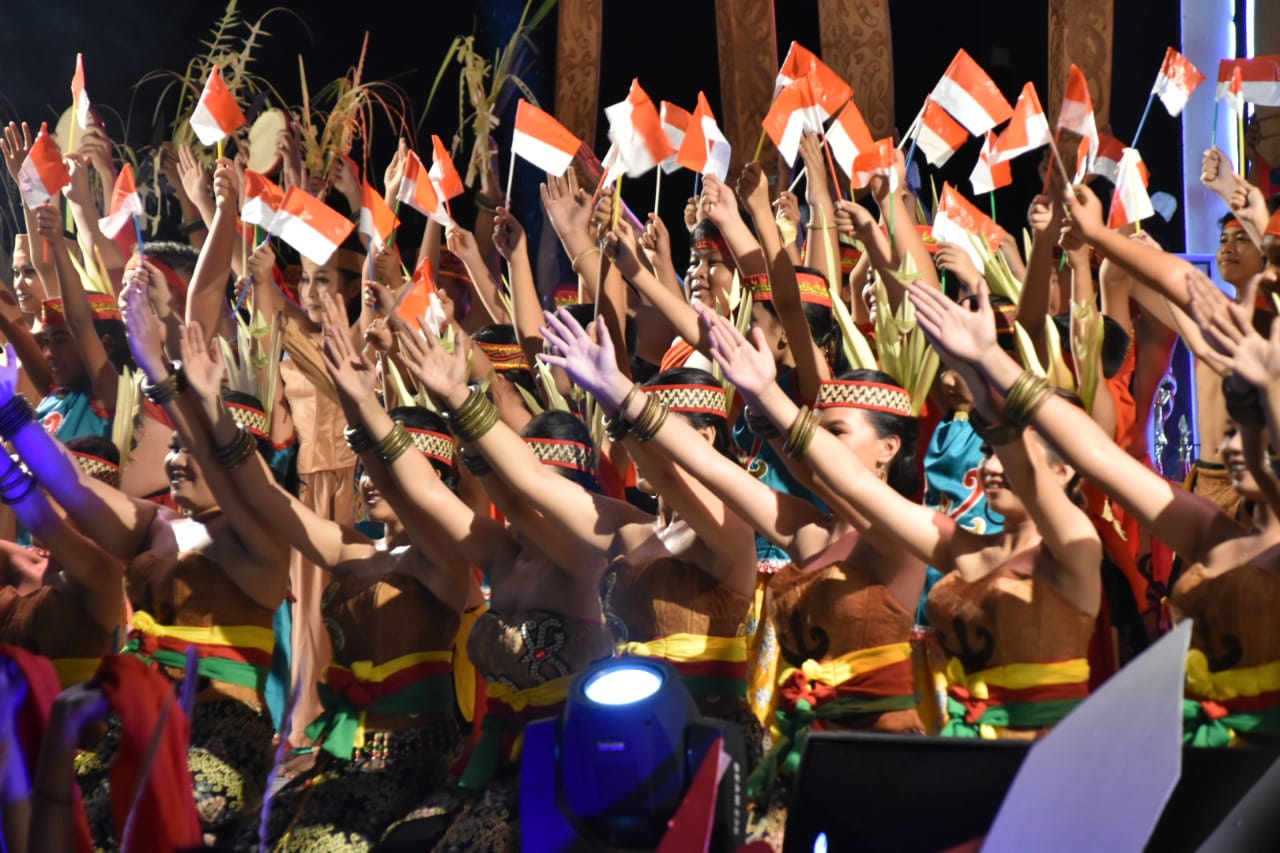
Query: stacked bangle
x,y
1027,394
238,451
475,463
393,445
587,251
14,415
652,417
618,427
1243,404
761,425
166,389
475,417
802,431
357,438
15,483
994,434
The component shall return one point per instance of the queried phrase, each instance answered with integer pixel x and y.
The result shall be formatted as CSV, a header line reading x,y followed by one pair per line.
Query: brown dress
x,y
1233,668
1006,617
346,802
52,621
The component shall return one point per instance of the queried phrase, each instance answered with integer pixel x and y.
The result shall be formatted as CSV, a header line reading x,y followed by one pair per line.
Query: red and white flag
x,y
705,149
542,140
675,123
416,189
970,95
877,160
792,112
1175,82
377,220
125,203
420,300
310,226
1107,163
262,199
833,92
79,97
1028,128
1235,91
957,218
939,135
42,174
217,115
848,137
1129,202
1259,79
987,176
444,175
1076,115
636,128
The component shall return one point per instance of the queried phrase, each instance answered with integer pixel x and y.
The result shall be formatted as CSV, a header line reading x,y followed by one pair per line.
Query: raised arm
x,y
207,294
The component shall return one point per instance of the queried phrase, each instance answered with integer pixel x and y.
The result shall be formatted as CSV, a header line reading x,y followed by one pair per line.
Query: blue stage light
x,y
622,685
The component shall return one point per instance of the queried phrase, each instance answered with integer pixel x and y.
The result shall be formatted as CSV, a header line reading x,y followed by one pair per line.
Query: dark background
x,y
669,45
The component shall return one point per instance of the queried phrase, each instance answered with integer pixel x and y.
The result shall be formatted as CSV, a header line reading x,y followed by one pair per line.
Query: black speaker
x,y
877,792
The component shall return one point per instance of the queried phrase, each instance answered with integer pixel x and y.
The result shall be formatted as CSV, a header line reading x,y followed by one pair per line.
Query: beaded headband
x,y
451,267
565,294
873,396
707,399
102,305
103,470
432,444
813,288
565,454
849,256
254,420
712,244
504,356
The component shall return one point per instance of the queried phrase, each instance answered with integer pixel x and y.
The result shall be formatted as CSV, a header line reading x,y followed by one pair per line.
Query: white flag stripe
x,y
206,126
963,107
935,148
946,231
111,224
309,242
258,212
546,157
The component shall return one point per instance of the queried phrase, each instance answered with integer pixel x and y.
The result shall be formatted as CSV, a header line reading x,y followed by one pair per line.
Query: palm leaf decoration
x,y
904,352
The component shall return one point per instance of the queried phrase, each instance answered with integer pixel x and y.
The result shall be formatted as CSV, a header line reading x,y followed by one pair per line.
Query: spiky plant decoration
x,y
481,83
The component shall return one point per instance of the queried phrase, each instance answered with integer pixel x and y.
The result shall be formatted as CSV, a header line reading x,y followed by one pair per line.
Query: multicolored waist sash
x,y
420,683
235,654
502,733
857,684
74,670
709,666
1016,695
1220,704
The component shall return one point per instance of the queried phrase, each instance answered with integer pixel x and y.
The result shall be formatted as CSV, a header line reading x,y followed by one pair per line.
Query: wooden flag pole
x,y
617,203
1240,139
760,146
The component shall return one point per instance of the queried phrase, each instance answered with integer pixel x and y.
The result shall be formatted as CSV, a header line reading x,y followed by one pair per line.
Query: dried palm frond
x,y
995,268
127,412
1087,330
904,351
482,83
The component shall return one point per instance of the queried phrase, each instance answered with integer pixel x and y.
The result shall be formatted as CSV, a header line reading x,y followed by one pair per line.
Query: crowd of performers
x,y
315,600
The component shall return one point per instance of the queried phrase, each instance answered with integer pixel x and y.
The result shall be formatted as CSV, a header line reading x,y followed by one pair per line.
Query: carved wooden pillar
x,y
1080,32
578,67
1266,37
747,41
857,44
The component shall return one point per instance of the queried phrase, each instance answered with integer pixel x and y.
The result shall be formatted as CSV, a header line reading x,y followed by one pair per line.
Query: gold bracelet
x,y
475,417
166,389
238,451
393,445
573,264
1027,389
801,434
651,419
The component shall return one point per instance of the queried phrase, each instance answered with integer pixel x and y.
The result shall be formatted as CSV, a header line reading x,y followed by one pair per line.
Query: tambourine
x,y
263,135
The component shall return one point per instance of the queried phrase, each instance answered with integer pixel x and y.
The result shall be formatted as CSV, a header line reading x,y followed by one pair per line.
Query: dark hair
x,y
179,257
1115,341
705,230
95,445
116,340
505,335
904,468
723,441
559,425
821,319
416,417
1075,486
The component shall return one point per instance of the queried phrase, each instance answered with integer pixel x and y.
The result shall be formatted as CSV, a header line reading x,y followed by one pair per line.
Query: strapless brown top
x,y
1234,612
672,596
525,649
51,621
830,612
1007,617
191,592
385,618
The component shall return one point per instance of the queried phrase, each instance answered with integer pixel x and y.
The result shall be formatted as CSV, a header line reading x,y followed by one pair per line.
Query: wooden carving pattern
x,y
747,43
1080,32
857,44
578,66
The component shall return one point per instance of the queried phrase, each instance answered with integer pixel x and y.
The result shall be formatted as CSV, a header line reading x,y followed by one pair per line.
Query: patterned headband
x,y
102,305
451,267
873,396
432,444
565,454
254,420
100,469
504,356
849,256
707,399
813,288
712,244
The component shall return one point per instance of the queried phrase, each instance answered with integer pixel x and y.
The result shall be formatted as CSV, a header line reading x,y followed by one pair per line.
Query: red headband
x,y
254,420
565,294
872,396
432,444
1231,223
712,244
171,278
504,356
563,453
813,288
102,305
